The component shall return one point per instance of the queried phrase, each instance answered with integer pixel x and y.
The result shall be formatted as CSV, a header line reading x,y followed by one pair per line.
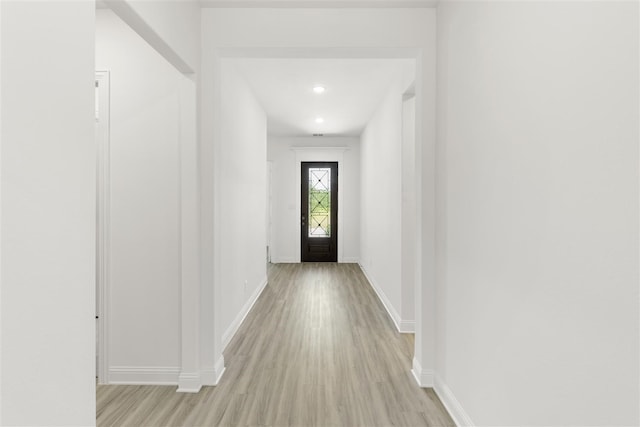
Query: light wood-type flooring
x,y
317,349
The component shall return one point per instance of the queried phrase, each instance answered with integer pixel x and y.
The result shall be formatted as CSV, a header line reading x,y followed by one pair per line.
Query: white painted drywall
x,y
285,235
317,28
538,196
190,377
171,27
48,214
409,218
145,275
241,200
1,280
319,33
381,200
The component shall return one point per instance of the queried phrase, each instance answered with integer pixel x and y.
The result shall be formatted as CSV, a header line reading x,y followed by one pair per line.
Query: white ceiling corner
x,y
354,89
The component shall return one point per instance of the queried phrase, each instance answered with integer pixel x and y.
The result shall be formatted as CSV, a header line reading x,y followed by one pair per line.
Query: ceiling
x,y
354,88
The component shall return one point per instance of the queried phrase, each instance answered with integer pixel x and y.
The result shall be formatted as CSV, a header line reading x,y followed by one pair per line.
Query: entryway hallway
x,y
317,349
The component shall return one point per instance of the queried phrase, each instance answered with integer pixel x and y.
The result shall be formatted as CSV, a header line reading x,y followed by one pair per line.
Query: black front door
x,y
319,221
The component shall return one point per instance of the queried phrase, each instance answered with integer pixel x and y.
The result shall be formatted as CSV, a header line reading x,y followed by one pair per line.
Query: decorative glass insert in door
x,y
319,202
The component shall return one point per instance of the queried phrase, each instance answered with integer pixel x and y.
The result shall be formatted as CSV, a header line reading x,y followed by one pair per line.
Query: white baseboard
x,y
212,376
189,382
402,326
395,317
235,325
284,260
144,375
220,368
407,326
453,406
292,260
424,377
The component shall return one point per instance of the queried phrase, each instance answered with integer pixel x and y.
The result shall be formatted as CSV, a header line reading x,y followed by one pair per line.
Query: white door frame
x,y
320,154
425,153
103,241
269,209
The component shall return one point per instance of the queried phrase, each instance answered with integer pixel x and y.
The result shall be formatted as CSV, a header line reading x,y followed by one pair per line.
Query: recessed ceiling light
x,y
318,89
319,120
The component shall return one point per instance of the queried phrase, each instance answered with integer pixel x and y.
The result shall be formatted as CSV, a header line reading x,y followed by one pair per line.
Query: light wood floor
x,y
317,349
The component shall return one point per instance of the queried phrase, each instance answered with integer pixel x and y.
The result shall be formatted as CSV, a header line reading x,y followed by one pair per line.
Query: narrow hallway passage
x,y
317,349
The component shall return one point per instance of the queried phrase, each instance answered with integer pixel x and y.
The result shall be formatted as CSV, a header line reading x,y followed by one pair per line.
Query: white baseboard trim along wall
x,y
429,379
402,326
407,326
453,406
284,260
155,375
189,382
235,325
211,376
424,377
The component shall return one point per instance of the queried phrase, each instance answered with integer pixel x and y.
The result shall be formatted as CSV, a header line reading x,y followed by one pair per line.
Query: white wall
x,y
47,276
285,235
319,33
145,270
382,200
538,200
409,215
308,28
172,27
1,280
240,205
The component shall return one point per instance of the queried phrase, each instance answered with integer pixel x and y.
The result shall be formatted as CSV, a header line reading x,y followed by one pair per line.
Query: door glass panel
x,y
319,202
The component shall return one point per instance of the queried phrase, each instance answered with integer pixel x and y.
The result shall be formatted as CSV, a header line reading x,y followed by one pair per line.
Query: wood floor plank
x,y
317,349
